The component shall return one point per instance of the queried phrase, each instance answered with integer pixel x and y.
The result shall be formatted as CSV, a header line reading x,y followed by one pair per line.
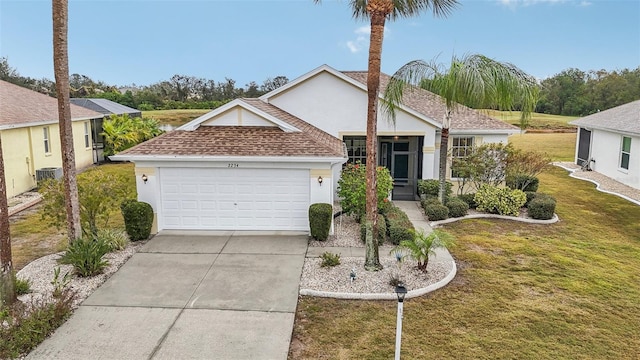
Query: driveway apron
x,y
186,296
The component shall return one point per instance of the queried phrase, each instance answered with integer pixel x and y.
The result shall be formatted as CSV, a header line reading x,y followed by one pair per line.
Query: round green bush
x,y
320,216
431,187
382,229
542,207
138,219
468,198
457,207
530,196
523,182
436,212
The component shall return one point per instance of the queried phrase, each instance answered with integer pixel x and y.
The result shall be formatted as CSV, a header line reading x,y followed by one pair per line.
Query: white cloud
x,y
585,3
362,39
515,3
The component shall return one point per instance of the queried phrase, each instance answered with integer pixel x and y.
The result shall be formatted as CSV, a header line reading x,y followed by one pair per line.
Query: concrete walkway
x,y
190,297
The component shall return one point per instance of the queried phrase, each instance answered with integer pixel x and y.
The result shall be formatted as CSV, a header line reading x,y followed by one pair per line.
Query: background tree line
x,y
179,92
572,92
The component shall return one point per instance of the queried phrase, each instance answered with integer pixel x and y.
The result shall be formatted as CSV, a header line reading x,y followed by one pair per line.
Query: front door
x,y
400,156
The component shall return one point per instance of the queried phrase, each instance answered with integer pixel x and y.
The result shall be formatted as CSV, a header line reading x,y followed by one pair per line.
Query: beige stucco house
x,y
257,164
31,138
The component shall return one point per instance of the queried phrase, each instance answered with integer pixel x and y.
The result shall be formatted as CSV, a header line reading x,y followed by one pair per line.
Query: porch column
x,y
428,162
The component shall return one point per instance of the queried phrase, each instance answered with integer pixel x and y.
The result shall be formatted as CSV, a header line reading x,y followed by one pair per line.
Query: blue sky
x,y
142,42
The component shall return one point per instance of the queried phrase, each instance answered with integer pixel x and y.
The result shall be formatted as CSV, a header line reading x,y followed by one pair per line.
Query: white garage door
x,y
234,199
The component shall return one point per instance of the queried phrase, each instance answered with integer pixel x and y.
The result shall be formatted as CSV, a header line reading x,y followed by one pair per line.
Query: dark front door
x,y
400,156
584,146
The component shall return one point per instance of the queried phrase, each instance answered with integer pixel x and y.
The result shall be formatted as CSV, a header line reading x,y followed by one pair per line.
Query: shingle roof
x,y
433,106
624,118
20,106
104,106
245,140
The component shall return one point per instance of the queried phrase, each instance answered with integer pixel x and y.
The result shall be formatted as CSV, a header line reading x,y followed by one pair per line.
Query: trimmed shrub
x,y
457,207
429,200
523,182
399,226
495,200
329,259
542,207
530,196
469,199
85,255
138,219
320,216
382,229
432,187
436,212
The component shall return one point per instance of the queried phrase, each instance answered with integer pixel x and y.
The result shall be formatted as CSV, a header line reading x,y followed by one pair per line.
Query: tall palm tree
x,y
7,287
378,11
474,80
61,72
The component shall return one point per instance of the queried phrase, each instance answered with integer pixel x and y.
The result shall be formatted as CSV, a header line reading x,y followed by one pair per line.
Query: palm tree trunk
x,y
7,287
61,72
442,173
378,11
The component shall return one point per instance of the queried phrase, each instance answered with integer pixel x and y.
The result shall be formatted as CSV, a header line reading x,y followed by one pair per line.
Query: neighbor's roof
x,y
104,106
243,141
21,107
624,118
433,106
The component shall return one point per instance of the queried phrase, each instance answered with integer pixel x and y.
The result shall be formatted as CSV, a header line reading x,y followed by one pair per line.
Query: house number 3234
x,y
233,165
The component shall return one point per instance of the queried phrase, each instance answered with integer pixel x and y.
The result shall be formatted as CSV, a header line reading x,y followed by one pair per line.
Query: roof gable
x,y
624,119
22,107
239,112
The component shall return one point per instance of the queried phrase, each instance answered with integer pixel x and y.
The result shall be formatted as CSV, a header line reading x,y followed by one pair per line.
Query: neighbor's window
x,y
86,134
461,147
356,148
625,153
47,144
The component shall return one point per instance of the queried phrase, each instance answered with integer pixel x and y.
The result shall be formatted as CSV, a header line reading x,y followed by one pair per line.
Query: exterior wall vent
x,y
48,173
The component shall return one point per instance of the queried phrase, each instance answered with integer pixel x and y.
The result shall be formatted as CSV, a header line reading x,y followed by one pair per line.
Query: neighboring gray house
x,y
610,141
107,108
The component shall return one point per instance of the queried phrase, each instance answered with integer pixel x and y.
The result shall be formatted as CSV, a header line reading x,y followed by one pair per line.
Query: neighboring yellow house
x,y
31,138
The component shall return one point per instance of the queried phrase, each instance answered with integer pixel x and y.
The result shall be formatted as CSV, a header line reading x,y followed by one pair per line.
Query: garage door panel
x,y
227,199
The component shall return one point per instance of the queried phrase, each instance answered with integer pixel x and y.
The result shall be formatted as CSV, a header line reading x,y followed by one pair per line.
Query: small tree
x,y
100,192
526,164
422,245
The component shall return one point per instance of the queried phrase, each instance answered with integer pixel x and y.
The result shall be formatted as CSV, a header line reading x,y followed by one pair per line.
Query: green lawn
x,y
174,117
32,237
570,290
537,122
560,146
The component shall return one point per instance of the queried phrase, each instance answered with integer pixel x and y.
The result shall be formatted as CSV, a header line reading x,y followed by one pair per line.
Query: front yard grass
x,y
32,237
570,290
560,146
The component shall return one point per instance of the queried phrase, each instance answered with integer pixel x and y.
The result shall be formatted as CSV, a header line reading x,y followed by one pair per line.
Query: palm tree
x,y
7,287
378,11
61,72
475,80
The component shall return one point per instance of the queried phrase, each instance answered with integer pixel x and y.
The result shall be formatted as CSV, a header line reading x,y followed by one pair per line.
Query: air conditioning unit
x,y
48,173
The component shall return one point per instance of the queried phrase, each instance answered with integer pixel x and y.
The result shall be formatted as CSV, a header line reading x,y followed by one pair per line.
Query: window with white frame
x,y
625,152
47,143
86,134
461,147
356,148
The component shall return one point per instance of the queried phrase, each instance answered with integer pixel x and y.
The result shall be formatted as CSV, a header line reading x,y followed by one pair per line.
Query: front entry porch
x,y
401,155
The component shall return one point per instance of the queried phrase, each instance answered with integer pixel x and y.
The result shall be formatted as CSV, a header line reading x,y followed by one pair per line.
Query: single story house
x,y
30,137
107,108
257,164
610,142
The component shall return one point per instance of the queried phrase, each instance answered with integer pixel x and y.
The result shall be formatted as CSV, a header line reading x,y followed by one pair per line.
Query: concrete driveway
x,y
190,296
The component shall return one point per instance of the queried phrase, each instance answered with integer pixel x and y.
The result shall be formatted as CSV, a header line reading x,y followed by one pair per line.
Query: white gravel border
x,y
574,171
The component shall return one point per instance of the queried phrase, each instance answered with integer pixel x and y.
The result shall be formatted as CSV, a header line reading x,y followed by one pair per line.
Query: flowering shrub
x,y
352,188
494,200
